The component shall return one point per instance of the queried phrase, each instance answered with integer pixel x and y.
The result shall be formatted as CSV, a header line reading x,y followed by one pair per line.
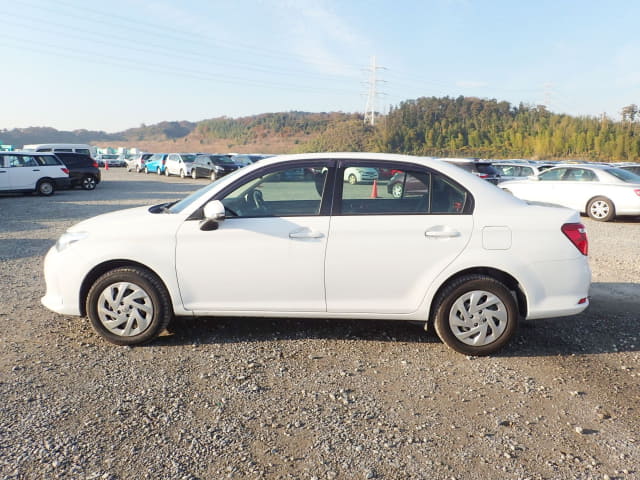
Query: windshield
x,y
188,158
188,200
222,161
624,175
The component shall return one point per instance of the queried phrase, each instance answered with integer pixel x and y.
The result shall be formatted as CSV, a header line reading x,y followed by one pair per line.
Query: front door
x,y
267,255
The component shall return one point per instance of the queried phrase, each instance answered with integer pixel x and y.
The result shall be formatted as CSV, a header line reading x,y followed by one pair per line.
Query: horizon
x,y
146,62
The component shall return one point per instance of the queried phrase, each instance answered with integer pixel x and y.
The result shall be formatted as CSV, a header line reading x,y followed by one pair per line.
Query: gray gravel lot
x,y
287,399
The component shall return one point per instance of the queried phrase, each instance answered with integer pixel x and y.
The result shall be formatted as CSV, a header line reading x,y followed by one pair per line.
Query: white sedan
x,y
600,191
468,259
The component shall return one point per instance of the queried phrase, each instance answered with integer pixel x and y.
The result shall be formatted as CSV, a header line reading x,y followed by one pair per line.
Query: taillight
x,y
95,164
637,191
483,175
578,236
65,170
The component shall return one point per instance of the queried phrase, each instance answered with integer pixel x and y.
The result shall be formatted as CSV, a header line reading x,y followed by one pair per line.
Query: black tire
x,y
352,179
194,174
182,174
397,190
45,187
88,182
493,326
140,292
214,177
601,209
166,171
159,171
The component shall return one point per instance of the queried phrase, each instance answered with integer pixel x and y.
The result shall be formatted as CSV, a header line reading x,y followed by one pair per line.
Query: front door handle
x,y
306,233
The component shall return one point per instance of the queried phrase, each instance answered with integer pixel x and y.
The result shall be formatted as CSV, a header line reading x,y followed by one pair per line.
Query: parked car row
x,y
44,173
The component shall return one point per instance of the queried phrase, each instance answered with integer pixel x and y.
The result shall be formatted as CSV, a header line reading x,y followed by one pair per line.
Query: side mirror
x,y
213,213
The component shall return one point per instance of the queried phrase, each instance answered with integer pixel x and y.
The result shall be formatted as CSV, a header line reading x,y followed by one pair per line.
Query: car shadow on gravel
x,y
609,325
212,330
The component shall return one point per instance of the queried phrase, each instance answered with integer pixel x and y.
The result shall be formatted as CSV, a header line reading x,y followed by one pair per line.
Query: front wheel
x,y
601,209
213,176
129,306
182,174
194,175
476,315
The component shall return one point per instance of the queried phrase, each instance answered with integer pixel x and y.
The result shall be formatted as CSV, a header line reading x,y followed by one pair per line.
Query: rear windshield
x,y
486,168
624,175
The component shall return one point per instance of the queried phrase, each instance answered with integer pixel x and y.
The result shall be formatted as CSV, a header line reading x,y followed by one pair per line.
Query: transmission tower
x,y
373,93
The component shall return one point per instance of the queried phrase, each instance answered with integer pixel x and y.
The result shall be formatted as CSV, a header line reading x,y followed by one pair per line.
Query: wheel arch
x,y
508,280
99,270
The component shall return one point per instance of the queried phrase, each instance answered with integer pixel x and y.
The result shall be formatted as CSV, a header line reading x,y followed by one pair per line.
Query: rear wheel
x,y
353,179
476,315
129,306
159,171
396,190
194,175
601,209
88,182
166,171
182,174
45,187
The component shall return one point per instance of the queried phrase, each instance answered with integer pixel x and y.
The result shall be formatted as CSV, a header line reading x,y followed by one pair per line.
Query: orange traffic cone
x,y
106,164
374,189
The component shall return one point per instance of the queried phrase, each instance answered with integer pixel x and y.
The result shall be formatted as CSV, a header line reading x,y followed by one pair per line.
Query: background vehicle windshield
x,y
624,175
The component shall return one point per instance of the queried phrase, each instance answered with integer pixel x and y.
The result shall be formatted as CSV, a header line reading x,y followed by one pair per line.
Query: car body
x,y
355,175
468,258
516,171
212,166
481,168
155,163
179,164
83,170
137,161
600,191
42,173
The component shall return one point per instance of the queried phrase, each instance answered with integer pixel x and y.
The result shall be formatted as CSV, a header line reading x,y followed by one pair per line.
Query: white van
x,y
63,147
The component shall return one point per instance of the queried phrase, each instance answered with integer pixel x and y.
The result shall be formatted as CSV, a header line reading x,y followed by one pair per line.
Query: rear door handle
x,y
306,233
439,233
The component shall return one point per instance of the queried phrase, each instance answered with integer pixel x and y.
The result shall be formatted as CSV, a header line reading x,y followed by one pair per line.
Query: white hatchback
x,y
179,164
467,258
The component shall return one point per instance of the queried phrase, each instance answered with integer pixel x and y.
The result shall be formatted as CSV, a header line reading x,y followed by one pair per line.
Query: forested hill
x,y
462,126
488,128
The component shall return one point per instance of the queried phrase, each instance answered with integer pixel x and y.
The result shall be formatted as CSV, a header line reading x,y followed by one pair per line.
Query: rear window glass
x,y
47,160
624,175
486,168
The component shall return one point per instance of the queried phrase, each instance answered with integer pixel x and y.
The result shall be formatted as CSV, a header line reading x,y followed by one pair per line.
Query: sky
x,y
96,65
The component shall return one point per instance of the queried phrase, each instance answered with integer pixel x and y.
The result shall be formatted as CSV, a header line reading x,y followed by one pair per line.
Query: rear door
x,y
384,250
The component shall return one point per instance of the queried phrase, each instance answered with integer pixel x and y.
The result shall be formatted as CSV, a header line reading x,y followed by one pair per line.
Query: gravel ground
x,y
287,399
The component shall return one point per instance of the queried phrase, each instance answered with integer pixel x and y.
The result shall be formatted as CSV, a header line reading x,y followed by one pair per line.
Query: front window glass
x,y
579,175
290,192
555,174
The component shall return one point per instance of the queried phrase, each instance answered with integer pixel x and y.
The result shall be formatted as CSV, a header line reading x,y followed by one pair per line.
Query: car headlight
x,y
217,168
68,238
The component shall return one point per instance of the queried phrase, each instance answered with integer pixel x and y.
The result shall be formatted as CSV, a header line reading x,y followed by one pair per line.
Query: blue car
x,y
156,163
